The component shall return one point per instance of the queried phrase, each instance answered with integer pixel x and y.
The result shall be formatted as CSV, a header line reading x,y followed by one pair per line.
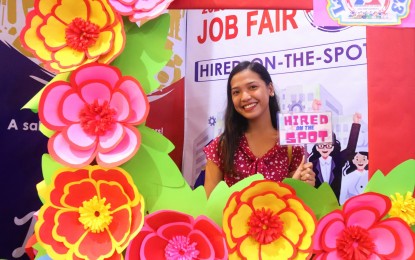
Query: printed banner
x,y
309,65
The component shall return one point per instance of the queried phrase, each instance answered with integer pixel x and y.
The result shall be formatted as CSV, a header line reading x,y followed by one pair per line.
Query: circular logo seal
x,y
309,16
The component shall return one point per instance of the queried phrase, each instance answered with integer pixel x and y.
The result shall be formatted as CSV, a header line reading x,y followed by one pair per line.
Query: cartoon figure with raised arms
x,y
328,159
356,176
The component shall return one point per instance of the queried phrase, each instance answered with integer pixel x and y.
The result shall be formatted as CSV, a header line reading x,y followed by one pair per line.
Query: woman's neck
x,y
261,125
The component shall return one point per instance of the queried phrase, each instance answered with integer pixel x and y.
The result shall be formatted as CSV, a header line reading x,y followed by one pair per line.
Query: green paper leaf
x,y
401,179
40,251
220,195
155,140
49,167
321,200
33,103
128,24
145,54
161,183
46,131
183,199
152,170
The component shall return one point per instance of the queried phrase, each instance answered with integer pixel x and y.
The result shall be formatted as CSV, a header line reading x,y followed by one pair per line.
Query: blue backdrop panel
x,y
22,146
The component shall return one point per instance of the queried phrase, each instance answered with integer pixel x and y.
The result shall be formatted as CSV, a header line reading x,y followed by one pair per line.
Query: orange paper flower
x,y
90,213
65,34
267,221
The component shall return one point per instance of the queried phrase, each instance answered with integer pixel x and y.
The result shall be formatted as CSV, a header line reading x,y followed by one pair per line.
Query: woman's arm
x,y
213,175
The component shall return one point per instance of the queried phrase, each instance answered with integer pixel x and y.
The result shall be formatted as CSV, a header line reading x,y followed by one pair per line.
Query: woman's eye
x,y
253,87
234,93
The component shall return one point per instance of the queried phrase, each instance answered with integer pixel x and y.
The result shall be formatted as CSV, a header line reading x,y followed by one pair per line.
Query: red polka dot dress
x,y
273,165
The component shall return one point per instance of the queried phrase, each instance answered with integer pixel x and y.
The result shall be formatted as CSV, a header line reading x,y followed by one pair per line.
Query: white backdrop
x,y
306,62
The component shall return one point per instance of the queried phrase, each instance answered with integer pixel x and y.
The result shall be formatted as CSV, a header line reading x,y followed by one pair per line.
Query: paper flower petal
x,y
111,139
121,105
381,207
138,103
64,153
49,105
77,138
125,149
72,104
105,74
95,91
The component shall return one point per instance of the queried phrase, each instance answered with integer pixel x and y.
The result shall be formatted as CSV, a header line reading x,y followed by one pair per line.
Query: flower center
x,y
97,119
264,226
355,243
81,34
180,248
95,214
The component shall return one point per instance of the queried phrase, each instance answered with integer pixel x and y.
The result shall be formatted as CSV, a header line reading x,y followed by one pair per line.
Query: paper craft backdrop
x,y
305,62
22,144
391,59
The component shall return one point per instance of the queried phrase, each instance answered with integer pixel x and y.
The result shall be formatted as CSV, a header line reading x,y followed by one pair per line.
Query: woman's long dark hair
x,y
235,124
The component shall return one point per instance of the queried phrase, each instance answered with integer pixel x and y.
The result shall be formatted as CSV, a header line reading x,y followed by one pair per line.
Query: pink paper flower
x,y
90,213
65,34
173,235
94,116
138,10
359,231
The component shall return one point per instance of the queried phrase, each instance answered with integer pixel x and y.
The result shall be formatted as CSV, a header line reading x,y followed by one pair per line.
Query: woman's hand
x,y
305,173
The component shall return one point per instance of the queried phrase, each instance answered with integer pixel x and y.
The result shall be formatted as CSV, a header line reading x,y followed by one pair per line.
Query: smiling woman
x,y
250,141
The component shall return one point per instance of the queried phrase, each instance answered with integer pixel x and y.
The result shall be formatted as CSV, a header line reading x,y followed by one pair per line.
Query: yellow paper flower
x,y
266,220
65,34
403,207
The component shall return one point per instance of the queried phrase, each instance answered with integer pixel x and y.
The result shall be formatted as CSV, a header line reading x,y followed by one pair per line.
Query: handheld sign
x,y
305,128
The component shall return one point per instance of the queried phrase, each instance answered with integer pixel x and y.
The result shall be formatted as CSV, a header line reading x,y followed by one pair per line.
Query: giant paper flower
x,y
266,220
359,231
94,116
139,10
64,34
90,213
173,235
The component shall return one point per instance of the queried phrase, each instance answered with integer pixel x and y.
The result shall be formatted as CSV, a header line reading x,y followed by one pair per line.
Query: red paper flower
x,y
267,221
94,116
173,235
90,213
65,34
359,231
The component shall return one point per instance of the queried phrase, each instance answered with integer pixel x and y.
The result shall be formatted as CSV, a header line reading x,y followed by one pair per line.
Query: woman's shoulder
x,y
213,143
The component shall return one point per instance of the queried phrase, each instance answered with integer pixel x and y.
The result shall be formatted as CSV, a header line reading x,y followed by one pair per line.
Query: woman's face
x,y
250,94
360,161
